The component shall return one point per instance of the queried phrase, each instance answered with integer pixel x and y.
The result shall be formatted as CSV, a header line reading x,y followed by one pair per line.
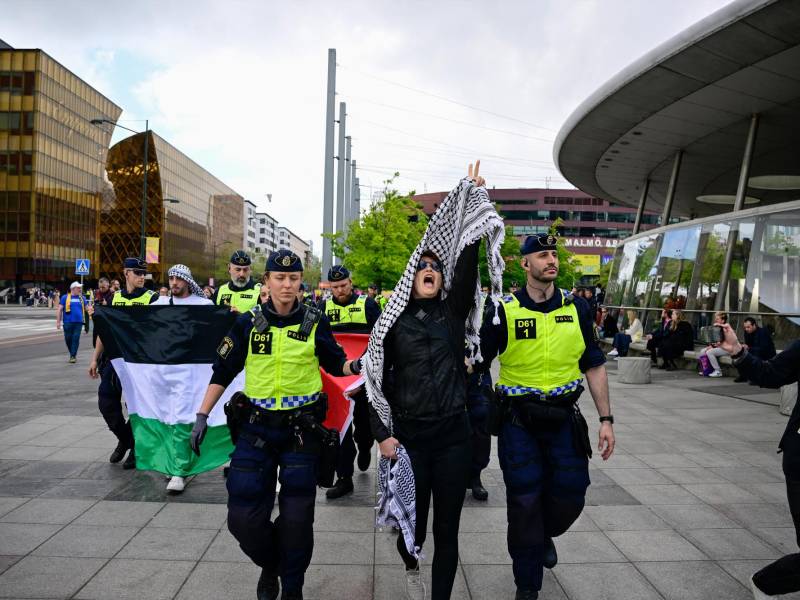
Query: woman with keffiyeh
x,y
424,379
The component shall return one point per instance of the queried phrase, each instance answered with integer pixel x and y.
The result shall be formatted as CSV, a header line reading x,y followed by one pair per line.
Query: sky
x,y
240,87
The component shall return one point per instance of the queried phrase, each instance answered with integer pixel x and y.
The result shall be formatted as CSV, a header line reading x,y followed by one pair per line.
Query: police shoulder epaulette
x,y
311,317
568,297
507,299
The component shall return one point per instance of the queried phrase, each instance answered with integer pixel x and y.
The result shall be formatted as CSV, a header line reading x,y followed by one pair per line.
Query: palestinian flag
x,y
163,357
338,389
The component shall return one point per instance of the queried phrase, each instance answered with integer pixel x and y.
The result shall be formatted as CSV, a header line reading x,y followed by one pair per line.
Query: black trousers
x,y
441,469
109,401
478,397
359,435
783,576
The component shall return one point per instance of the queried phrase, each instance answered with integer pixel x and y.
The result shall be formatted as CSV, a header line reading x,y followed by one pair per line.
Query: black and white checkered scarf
x,y
464,217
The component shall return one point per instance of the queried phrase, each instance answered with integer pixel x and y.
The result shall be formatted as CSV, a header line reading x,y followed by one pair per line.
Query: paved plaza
x,y
690,505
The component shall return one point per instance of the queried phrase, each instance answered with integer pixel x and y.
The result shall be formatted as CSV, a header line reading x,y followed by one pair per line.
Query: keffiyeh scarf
x,y
397,506
185,273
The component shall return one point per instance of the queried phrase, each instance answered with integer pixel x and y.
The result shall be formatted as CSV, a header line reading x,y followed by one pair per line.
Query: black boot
x,y
296,595
119,453
267,586
478,491
526,595
550,556
343,486
130,462
364,458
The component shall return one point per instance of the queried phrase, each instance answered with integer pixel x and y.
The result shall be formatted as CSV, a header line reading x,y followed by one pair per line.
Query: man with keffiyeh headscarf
x,y
416,380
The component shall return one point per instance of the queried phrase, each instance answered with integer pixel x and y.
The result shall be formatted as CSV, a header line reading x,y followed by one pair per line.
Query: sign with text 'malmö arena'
x,y
590,242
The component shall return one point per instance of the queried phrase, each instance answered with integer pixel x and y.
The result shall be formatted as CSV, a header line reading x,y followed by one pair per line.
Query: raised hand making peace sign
x,y
473,174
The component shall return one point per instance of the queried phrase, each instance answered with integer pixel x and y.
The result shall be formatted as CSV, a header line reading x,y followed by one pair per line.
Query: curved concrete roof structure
x,y
696,93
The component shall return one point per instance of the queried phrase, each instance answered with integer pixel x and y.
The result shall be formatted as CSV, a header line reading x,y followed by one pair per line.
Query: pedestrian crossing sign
x,y
82,266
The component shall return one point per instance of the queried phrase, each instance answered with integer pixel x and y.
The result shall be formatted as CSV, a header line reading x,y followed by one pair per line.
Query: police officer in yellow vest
x,y
546,346
109,392
241,292
349,312
280,345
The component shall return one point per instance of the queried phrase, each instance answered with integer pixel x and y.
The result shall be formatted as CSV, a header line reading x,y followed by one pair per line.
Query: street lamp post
x,y
143,236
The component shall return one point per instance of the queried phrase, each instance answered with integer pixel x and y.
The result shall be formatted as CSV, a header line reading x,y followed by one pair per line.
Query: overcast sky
x,y
240,86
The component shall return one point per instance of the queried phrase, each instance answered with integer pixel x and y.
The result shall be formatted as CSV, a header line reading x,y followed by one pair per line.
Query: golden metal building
x,y
190,212
52,162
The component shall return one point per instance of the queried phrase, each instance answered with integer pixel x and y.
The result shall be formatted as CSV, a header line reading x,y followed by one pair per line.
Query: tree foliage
x,y
378,245
312,272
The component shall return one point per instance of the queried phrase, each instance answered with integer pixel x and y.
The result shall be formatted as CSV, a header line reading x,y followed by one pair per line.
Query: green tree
x,y
312,272
377,246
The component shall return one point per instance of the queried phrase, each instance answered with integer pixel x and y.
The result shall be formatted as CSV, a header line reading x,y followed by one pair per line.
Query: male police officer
x,y
280,345
109,392
241,292
546,345
351,313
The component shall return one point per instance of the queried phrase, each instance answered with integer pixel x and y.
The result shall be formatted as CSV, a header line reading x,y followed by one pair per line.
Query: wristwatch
x,y
609,418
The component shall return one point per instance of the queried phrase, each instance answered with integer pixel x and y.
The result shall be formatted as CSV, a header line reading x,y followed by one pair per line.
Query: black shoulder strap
x,y
170,301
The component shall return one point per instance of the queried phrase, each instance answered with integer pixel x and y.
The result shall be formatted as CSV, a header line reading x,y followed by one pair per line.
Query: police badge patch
x,y
225,347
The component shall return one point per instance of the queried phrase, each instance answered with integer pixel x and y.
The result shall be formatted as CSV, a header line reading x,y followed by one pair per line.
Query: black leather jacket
x,y
424,374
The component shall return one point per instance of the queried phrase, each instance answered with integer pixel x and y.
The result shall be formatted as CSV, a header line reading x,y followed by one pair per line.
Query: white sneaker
x,y
613,352
758,594
176,484
415,588
715,374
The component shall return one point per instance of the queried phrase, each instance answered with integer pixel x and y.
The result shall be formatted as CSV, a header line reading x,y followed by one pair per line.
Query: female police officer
x,y
280,345
546,345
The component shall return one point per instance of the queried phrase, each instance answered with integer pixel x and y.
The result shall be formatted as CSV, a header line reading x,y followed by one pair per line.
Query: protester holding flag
x,y
417,384
109,393
183,290
349,312
280,345
241,292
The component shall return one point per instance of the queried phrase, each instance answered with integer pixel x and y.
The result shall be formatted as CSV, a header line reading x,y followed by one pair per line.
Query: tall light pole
x,y
327,208
143,235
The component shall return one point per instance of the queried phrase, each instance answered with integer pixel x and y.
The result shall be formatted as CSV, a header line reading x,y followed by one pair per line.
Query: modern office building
x,y
707,127
250,227
194,216
52,162
592,227
288,239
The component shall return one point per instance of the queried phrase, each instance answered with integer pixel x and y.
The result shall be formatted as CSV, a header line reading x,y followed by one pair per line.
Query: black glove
x,y
199,432
355,366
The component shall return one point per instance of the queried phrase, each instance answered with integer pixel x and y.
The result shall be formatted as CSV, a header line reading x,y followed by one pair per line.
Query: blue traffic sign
x,y
82,266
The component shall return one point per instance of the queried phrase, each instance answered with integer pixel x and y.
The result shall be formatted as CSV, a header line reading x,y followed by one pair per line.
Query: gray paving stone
x,y
24,452
82,455
21,538
344,518
136,514
489,582
191,516
609,495
87,541
730,544
9,466
758,515
128,579
604,582
693,516
743,474
742,570
482,548
354,581
714,459
213,581
722,493
618,461
637,476
7,561
479,520
14,486
390,580
343,548
625,518
666,460
662,494
47,510
782,538
82,488
692,475
771,492
9,503
48,577
168,544
225,548
586,547
19,434
655,546
702,580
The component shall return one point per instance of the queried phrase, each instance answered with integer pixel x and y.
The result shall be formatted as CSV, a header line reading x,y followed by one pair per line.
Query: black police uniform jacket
x,y
425,380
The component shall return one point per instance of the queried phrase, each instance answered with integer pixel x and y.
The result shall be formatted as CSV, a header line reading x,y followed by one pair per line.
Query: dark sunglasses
x,y
424,264
139,272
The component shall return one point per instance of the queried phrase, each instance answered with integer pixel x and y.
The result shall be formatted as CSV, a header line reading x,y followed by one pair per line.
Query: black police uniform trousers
x,y
546,479
284,546
478,397
783,575
440,456
358,435
109,401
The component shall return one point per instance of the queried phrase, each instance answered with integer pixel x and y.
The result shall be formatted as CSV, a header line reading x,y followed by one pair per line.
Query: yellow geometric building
x,y
52,162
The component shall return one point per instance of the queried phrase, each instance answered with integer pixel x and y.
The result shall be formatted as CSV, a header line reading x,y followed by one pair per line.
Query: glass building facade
x,y
52,164
191,213
682,264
